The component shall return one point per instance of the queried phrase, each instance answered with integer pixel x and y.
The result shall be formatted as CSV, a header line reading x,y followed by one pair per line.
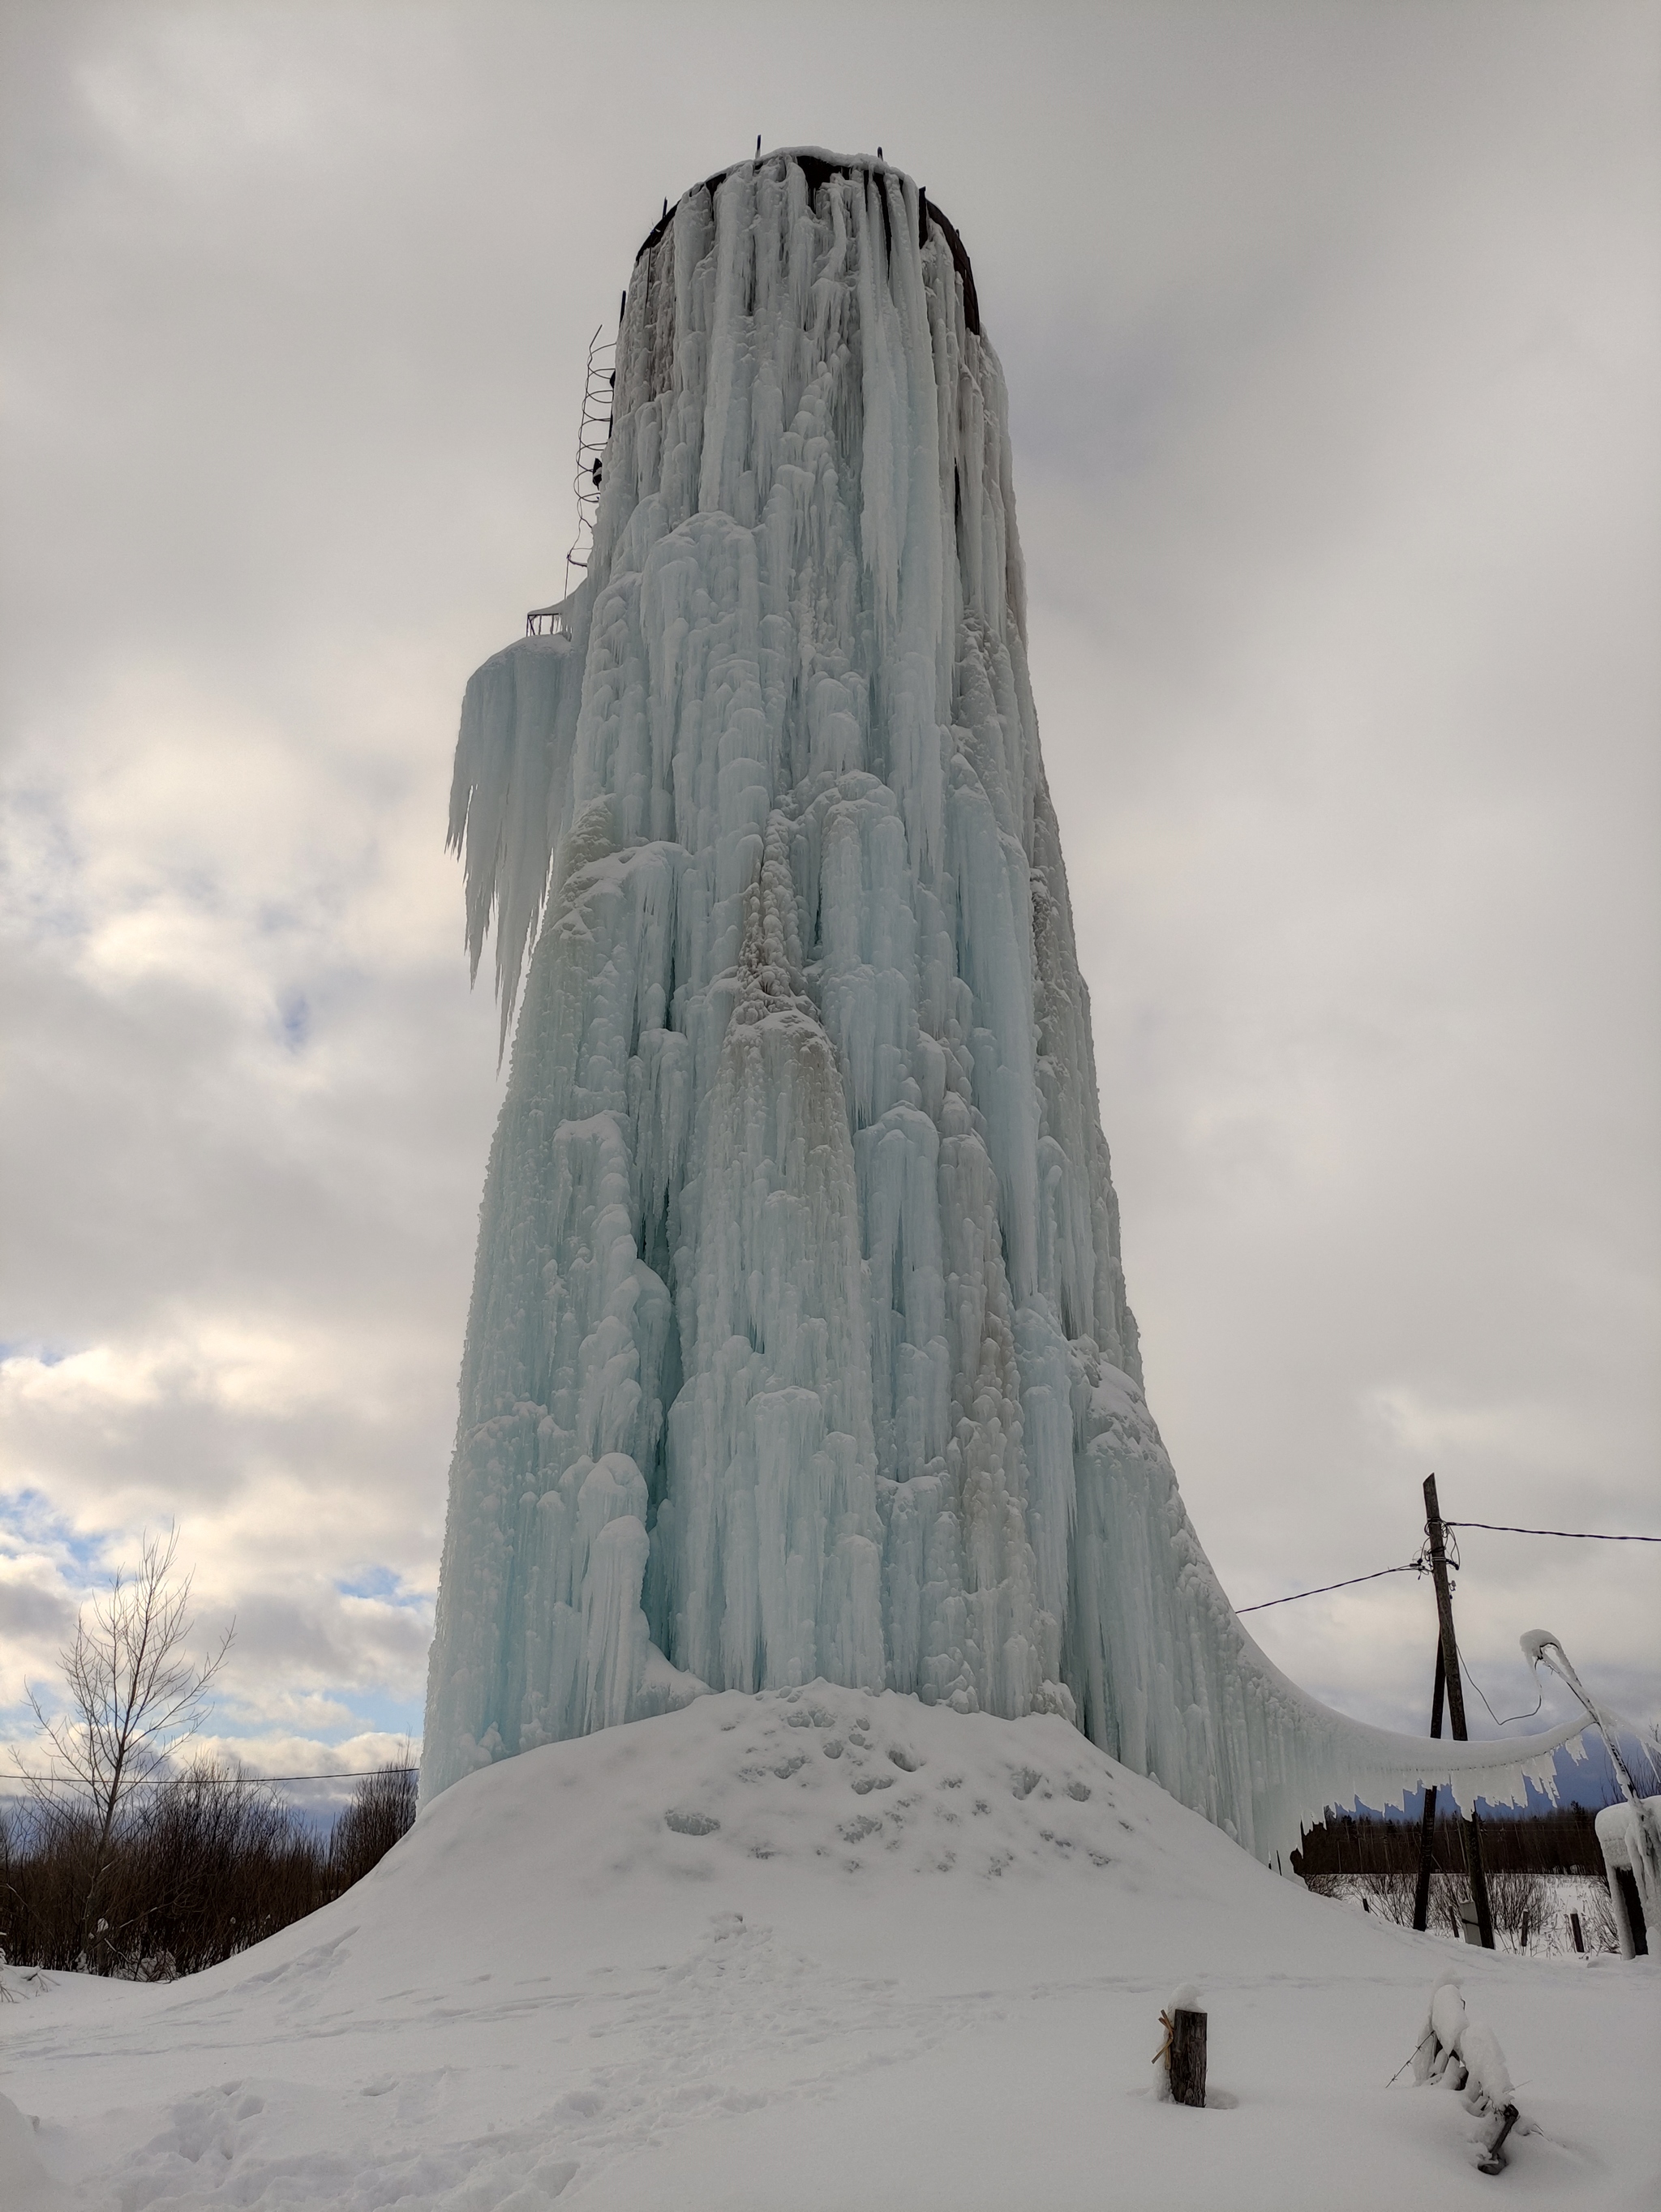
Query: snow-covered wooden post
x,y
1626,1836
1492,2159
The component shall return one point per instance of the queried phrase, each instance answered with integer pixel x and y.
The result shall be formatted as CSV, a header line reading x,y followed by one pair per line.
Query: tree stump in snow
x,y
1187,2058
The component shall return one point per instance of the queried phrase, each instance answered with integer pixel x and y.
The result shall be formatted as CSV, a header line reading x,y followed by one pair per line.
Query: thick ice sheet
x,y
800,1250
925,1971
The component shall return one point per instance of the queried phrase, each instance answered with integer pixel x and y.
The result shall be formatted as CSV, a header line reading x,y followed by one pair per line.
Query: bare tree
x,y
134,1695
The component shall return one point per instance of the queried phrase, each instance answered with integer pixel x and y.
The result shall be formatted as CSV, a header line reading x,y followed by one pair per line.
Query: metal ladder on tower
x,y
594,435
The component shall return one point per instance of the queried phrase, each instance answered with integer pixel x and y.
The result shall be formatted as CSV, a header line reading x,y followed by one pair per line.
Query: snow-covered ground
x,y
817,1949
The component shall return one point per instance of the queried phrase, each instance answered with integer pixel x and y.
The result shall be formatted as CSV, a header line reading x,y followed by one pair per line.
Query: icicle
x,y
508,794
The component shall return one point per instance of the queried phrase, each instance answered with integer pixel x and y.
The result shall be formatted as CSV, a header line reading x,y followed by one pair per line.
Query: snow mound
x,y
851,1783
25,2184
808,1949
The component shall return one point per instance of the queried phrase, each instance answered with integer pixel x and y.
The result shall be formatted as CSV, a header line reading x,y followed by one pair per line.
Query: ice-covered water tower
x,y
799,1343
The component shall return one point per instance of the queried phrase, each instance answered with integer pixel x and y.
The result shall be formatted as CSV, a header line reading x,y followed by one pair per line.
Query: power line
x,y
1412,1567
213,1781
1576,1535
1417,1566
1465,1662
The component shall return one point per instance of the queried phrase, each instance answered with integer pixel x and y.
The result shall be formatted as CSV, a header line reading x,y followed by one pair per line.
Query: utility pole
x,y
1448,1659
1428,1823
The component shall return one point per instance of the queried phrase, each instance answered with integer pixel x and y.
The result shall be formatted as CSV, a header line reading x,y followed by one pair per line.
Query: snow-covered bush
x,y
1463,2053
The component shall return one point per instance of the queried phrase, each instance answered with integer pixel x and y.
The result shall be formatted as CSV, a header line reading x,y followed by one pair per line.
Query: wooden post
x,y
1456,1690
1427,1824
1574,1930
1187,2058
1493,2159
1626,1881
1479,1880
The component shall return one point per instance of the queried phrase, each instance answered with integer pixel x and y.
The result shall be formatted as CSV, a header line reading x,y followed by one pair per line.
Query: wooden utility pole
x,y
1428,1823
1448,1654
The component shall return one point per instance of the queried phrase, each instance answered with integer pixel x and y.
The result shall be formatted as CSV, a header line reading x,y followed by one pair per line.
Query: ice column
x,y
798,1342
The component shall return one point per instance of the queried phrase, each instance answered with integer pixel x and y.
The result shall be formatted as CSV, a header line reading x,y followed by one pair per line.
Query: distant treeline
x,y
1561,1841
193,1871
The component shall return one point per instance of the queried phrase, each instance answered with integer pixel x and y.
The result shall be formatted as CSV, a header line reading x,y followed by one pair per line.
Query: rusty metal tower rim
x,y
817,167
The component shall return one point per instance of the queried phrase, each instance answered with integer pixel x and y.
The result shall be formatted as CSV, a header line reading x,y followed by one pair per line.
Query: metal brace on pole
x,y
1455,1692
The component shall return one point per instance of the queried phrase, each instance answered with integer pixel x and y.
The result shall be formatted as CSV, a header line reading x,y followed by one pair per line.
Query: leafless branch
x,y
135,1696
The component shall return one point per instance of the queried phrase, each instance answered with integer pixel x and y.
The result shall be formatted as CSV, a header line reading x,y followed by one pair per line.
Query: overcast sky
x,y
1333,337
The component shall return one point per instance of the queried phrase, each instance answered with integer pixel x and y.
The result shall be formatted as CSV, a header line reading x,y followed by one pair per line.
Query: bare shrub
x,y
216,1862
46,1851
192,1873
1389,1895
1520,1903
382,1809
1597,1919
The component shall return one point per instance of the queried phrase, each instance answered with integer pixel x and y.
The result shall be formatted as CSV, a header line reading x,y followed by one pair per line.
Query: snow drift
x,y
817,1948
799,1343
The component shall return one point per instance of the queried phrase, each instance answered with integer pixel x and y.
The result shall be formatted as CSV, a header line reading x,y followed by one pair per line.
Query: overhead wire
x,y
1420,1565
1410,1567
1465,1663
1574,1535
208,1781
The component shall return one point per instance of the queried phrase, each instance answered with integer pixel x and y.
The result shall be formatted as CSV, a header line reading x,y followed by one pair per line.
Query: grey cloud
x,y
28,1613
